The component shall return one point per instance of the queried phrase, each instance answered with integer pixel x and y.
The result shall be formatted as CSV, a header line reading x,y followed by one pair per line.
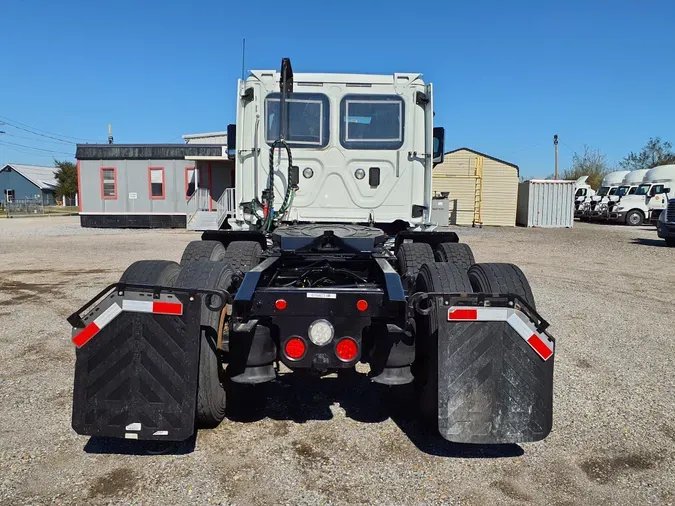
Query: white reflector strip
x,y
519,326
134,426
492,314
137,306
94,327
107,316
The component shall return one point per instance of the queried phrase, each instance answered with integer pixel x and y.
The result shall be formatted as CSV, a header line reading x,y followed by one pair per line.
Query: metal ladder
x,y
478,193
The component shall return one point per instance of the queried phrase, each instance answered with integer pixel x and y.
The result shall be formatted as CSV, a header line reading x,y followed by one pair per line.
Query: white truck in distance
x,y
597,207
650,196
662,175
583,193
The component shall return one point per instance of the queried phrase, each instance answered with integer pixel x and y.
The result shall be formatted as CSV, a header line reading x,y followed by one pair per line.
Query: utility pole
x,y
555,143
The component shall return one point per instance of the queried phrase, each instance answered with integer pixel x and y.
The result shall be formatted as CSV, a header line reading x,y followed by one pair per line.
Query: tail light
x,y
346,349
295,348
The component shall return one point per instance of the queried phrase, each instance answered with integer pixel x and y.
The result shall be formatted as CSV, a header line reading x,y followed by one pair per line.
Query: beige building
x,y
482,188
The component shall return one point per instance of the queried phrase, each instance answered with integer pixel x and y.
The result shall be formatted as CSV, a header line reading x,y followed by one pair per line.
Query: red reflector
x,y
463,314
538,345
347,349
280,304
167,308
295,348
87,333
362,305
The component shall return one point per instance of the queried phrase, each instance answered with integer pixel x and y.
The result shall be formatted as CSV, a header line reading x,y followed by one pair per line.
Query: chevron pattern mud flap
x,y
495,377
136,368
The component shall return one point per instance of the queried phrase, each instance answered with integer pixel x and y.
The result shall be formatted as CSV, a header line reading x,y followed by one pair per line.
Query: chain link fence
x,y
22,207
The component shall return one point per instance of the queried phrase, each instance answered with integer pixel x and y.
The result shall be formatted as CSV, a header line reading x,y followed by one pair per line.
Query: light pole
x,y
2,132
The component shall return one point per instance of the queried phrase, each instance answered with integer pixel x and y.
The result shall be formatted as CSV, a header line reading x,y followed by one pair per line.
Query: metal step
x,y
204,220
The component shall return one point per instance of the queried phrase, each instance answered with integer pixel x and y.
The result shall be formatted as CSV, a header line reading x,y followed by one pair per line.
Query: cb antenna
x,y
243,57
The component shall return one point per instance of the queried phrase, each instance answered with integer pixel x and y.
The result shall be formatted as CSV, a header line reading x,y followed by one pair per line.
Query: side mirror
x,y
231,141
666,190
439,142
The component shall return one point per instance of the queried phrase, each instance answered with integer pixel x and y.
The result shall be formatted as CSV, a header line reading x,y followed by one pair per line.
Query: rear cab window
x,y
307,122
372,121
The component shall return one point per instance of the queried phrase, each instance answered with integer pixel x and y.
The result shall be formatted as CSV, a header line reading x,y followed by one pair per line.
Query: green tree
x,y
66,179
656,152
591,163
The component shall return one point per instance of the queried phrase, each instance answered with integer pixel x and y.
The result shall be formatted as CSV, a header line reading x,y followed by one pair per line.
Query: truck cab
x,y
362,149
582,194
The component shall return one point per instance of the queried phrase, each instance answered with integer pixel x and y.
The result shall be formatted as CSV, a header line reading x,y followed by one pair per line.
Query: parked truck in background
x,y
665,225
582,193
649,198
332,260
663,177
597,207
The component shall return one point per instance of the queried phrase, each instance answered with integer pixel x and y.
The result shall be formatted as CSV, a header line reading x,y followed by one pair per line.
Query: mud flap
x,y
494,385
136,378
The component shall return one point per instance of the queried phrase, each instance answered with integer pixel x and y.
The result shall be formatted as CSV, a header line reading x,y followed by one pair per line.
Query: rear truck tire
x,y
410,257
243,255
501,278
456,253
203,250
433,277
152,272
211,395
635,218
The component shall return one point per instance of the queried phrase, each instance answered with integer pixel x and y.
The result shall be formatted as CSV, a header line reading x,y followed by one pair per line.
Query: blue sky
x,y
507,74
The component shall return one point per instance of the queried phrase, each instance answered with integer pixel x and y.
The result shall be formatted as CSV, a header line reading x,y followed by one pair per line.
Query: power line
x,y
5,143
33,139
31,129
563,143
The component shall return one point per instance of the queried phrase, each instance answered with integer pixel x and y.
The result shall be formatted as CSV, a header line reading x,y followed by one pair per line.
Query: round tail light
x,y
362,305
346,349
295,348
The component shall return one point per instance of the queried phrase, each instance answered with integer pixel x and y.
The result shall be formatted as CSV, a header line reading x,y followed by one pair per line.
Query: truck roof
x,y
635,177
660,174
299,78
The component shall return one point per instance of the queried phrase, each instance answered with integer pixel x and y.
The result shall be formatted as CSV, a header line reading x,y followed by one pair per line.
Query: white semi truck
x,y
663,177
332,260
650,197
582,193
597,207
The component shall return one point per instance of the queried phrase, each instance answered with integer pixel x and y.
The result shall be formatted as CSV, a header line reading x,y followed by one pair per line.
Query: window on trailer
x,y
156,182
108,183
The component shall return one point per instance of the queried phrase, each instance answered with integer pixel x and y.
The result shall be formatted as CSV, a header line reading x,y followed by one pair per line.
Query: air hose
x,y
269,213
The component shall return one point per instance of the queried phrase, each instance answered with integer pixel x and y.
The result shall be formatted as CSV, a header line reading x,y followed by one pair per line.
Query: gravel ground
x,y
605,290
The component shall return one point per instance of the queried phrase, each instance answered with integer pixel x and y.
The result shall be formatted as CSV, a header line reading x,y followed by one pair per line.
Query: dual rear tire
x,y
448,277
206,274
